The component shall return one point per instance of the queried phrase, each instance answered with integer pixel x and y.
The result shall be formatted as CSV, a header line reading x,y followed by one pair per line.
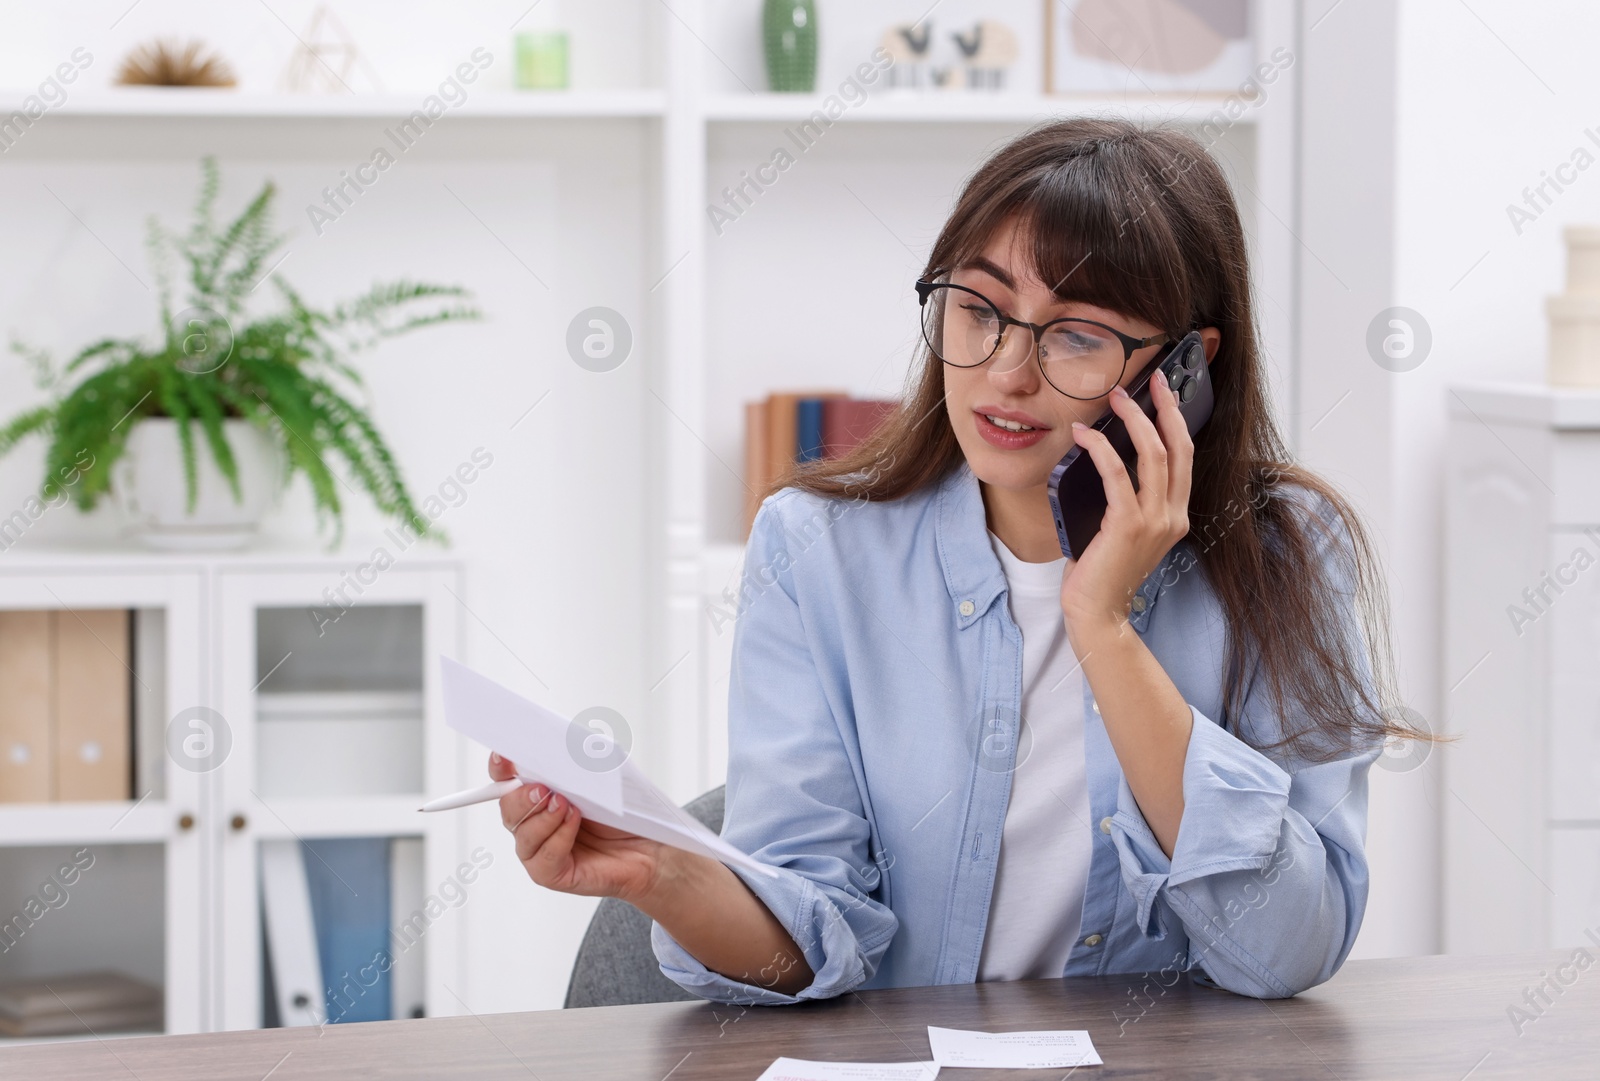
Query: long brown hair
x,y
1142,221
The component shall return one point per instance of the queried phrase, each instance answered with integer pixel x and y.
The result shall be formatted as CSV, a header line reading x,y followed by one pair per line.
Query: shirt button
x,y
1093,940
967,608
1138,603
1105,825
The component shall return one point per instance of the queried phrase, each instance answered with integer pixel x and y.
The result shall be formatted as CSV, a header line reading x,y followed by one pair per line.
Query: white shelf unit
x,y
631,169
1521,812
206,826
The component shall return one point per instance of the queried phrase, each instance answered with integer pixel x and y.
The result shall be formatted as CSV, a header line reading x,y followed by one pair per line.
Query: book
x,y
772,435
783,428
65,1004
808,429
848,422
755,460
788,427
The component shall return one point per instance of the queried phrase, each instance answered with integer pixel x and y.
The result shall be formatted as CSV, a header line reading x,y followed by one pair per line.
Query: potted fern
x,y
268,396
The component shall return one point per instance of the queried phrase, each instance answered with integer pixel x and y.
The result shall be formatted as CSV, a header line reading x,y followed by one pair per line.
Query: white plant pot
x,y
147,484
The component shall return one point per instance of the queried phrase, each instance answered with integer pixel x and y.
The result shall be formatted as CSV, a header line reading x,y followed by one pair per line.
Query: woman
x,y
973,759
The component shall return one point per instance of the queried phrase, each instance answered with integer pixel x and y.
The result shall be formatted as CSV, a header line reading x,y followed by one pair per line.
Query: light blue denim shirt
x,y
873,727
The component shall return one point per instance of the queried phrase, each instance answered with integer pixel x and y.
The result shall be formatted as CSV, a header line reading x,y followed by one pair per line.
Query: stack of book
x,y
81,1004
66,705
801,426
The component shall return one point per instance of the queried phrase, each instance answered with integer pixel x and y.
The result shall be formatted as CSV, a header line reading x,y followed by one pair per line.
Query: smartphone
x,y
1077,494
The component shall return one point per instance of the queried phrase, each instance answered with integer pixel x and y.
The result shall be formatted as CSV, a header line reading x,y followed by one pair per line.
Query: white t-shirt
x,y
1036,911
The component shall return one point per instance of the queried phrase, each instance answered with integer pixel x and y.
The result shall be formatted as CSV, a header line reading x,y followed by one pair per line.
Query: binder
x,y
27,690
93,704
348,881
408,977
296,971
149,701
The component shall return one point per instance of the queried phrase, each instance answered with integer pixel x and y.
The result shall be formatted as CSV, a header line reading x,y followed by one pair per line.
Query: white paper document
x,y
1042,1050
799,1069
541,743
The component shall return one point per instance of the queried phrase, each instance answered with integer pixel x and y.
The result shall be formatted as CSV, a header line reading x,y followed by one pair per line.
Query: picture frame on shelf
x,y
1149,47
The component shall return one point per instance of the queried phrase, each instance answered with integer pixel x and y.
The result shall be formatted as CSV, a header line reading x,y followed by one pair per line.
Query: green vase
x,y
789,31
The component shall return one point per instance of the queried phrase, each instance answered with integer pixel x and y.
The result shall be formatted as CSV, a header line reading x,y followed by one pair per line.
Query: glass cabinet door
x,y
338,738
102,814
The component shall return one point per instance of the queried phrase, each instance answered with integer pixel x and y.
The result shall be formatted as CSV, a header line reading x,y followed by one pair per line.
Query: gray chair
x,y
616,965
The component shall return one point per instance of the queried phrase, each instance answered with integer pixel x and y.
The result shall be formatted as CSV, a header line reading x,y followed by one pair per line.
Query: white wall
x,y
1491,99
1348,409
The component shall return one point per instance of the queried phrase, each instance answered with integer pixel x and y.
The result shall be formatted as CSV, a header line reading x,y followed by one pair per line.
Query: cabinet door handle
x,y
186,821
238,823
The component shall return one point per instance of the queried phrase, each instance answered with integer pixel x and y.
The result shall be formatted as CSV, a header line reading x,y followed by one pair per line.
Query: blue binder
x,y
348,879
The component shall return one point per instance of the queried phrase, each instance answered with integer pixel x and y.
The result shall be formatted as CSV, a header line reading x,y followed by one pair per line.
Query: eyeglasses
x,y
1079,357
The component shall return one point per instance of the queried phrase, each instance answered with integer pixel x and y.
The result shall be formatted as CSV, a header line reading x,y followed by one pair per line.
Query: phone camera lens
x,y
1191,357
1187,391
1175,377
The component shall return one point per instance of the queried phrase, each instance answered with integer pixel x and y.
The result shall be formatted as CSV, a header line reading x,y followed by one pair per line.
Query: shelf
x,y
300,817
1538,404
89,822
960,106
188,104
129,556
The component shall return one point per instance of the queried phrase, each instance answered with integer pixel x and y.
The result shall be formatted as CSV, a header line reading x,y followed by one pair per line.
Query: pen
x,y
492,790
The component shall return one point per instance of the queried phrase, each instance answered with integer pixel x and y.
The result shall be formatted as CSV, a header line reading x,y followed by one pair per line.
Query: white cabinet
x,y
1522,668
307,686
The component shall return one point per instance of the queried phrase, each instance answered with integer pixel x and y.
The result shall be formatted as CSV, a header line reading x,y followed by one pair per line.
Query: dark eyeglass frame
x,y
1130,344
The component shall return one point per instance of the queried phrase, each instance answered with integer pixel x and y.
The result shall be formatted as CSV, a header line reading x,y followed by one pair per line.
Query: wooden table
x,y
1412,1018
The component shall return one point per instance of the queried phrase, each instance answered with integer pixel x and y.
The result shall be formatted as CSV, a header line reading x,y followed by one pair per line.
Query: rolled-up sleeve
x,y
792,797
1268,876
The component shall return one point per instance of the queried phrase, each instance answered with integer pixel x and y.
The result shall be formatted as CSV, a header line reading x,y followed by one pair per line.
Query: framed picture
x,y
1147,46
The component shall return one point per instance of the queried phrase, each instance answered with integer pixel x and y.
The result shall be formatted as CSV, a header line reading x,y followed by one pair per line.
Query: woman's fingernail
x,y
554,805
1119,391
494,758
1079,424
